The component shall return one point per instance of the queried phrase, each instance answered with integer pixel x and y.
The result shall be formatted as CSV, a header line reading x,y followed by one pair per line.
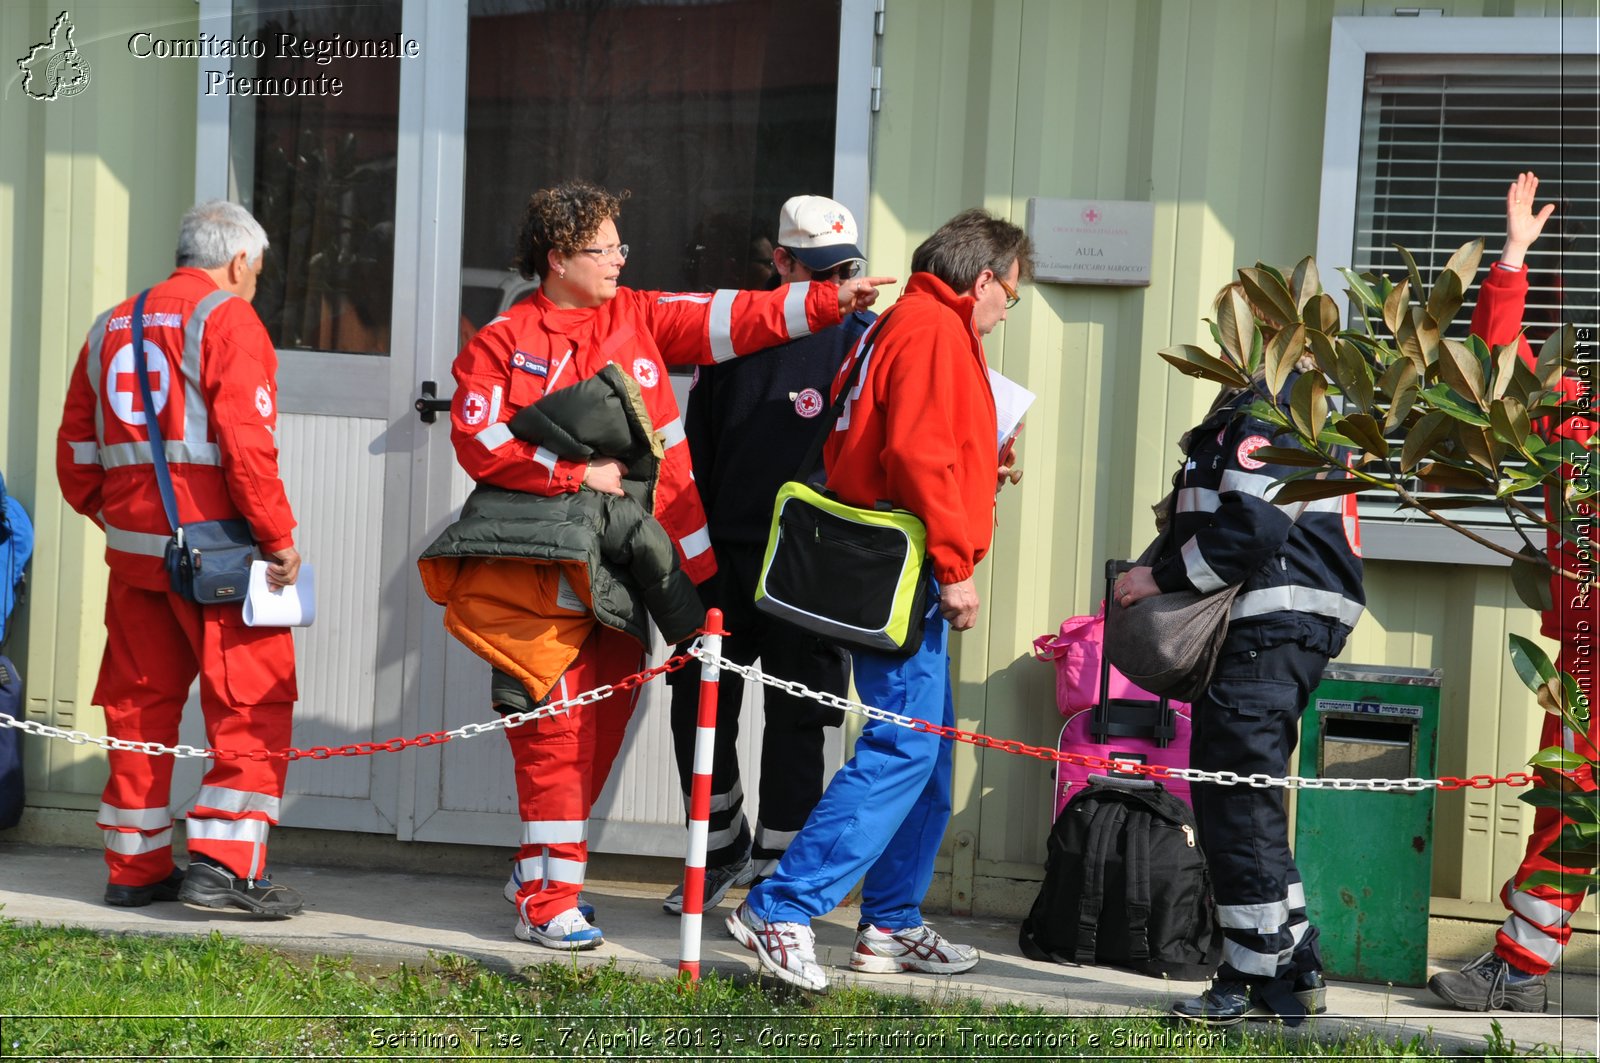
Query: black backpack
x,y
1125,885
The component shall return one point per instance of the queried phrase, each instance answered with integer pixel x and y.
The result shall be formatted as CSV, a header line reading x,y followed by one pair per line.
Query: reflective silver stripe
x,y
496,397
1297,600
672,433
1320,505
767,838
1197,500
767,867
178,452
529,870
1199,570
93,369
132,843
147,544
732,799
546,457
1248,961
1533,938
568,871
196,418
719,326
137,818
696,543
683,297
794,310
494,437
1249,483
86,453
243,802
1297,897
1352,534
212,829
718,839
555,831
1538,911
1264,918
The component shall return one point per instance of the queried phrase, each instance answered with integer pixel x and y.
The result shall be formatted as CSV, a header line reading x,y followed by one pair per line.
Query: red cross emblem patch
x,y
808,403
474,408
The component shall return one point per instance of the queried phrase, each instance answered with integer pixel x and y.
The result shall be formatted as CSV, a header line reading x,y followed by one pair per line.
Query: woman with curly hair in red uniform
x,y
578,322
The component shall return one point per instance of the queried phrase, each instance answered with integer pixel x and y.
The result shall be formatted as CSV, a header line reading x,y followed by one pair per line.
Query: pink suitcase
x,y
1130,724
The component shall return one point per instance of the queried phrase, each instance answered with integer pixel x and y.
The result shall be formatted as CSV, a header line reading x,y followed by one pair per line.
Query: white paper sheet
x,y
294,606
1011,402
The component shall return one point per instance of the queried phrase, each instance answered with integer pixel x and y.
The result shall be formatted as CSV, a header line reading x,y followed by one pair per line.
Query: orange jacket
x,y
535,347
1497,320
919,428
214,380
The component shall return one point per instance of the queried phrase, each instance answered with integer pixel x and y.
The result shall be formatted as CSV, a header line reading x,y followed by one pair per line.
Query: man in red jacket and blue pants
x,y
1528,944
919,431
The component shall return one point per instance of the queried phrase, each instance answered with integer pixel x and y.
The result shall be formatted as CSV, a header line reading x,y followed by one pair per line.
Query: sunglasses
x,y
842,271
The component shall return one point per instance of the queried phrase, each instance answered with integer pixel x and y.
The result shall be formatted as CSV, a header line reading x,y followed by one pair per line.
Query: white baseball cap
x,y
820,232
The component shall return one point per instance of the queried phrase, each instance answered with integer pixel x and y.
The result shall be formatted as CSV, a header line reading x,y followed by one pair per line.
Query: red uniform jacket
x,y
536,347
1497,320
213,378
919,428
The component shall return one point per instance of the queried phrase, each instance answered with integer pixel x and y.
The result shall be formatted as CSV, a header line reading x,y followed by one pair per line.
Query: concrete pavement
x,y
388,916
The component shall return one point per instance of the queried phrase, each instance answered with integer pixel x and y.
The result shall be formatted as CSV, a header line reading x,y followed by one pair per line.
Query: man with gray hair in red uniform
x,y
211,371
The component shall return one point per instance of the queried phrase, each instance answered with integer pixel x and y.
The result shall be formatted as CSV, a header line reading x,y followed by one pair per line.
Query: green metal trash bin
x,y
1366,856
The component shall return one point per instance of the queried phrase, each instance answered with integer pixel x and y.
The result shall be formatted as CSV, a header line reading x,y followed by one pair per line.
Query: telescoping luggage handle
x,y
1102,728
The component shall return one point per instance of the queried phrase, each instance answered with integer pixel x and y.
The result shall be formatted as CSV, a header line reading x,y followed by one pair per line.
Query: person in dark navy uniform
x,y
1300,567
749,425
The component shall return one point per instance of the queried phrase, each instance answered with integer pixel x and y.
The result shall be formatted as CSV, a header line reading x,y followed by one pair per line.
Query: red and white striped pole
x,y
694,861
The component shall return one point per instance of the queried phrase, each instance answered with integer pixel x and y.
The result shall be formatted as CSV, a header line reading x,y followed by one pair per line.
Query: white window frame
x,y
1386,535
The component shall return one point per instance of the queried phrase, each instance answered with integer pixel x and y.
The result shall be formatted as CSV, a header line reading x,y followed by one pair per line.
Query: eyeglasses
x,y
620,251
1012,298
842,271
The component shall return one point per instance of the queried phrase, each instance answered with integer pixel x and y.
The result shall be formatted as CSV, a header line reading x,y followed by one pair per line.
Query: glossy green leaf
x,y
1443,397
1530,578
1505,362
1360,291
1282,352
1306,283
1413,275
1532,664
1479,446
1448,475
1324,355
1308,403
1464,264
1321,313
1193,361
1395,306
1429,432
1236,324
1364,431
1445,299
1556,355
1355,375
1561,881
1311,490
1574,804
1402,383
1459,369
1269,296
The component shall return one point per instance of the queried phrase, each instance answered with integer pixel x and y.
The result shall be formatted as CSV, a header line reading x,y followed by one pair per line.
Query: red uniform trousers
x,y
562,763
156,643
1533,936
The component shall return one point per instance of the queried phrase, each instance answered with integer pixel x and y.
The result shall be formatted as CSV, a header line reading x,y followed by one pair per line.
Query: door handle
x,y
429,407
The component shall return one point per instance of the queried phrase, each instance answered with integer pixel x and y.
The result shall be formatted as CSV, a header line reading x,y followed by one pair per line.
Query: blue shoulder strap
x,y
152,422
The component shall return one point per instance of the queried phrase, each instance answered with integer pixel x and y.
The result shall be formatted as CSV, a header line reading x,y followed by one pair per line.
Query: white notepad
x,y
1011,402
294,606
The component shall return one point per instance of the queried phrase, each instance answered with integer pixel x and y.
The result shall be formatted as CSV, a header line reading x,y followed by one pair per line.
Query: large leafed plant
x,y
1437,425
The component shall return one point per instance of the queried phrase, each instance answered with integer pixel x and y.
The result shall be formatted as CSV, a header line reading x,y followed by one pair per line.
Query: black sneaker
x,y
1224,1004
1283,1001
1490,982
210,886
119,896
719,880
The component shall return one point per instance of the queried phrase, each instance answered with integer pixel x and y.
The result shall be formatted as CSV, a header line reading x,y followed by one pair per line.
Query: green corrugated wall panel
x,y
91,188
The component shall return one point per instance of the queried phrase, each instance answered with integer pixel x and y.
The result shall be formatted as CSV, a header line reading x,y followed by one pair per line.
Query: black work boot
x,y
210,885
120,896
1490,982
1226,1003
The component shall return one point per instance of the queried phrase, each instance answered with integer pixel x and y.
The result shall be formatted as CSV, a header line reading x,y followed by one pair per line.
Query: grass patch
x,y
76,993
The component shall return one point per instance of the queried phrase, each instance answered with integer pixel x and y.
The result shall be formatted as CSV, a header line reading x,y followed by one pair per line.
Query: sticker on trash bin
x,y
1370,708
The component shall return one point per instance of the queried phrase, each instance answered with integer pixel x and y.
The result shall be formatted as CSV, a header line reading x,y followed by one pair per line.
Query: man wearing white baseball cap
x,y
749,424
817,239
